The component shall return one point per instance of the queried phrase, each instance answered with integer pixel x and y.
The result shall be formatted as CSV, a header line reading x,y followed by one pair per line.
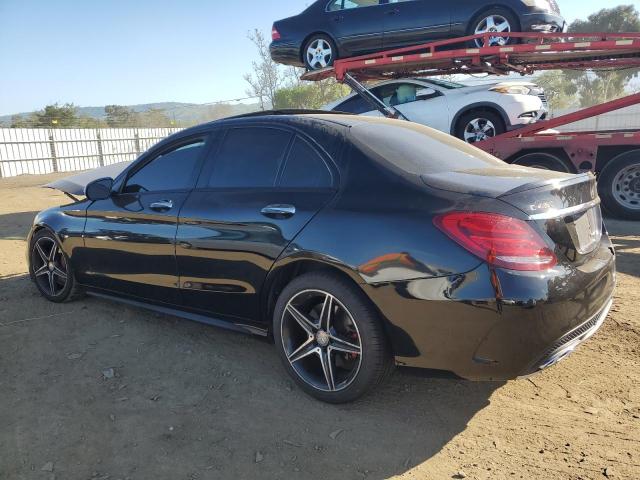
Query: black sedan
x,y
355,243
331,29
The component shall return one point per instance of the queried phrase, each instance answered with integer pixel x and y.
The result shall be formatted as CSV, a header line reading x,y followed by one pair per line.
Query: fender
x,y
66,223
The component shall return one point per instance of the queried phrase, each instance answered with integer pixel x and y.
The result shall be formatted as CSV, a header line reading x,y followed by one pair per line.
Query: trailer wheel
x,y
543,160
619,185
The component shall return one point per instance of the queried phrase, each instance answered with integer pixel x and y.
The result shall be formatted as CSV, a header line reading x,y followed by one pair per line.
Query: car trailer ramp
x,y
613,155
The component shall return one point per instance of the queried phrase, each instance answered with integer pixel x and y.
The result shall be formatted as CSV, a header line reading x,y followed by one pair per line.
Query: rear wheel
x,y
619,185
477,126
330,338
495,20
319,52
544,161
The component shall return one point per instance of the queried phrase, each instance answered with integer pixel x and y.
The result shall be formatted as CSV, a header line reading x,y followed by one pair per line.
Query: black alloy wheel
x,y
329,338
49,268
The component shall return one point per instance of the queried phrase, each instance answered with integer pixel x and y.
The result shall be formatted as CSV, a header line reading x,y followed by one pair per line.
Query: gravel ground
x,y
93,389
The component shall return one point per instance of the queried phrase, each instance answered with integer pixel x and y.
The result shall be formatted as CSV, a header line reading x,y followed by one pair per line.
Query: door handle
x,y
395,11
279,211
338,18
162,205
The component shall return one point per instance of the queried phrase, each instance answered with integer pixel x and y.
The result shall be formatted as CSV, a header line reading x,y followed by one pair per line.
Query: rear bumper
x,y
286,52
543,23
569,342
497,325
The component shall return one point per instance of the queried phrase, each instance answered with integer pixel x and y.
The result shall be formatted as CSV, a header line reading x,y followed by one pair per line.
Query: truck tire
x,y
619,185
543,160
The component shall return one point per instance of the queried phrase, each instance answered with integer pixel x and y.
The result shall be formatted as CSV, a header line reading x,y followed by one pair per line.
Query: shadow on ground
x,y
191,401
16,226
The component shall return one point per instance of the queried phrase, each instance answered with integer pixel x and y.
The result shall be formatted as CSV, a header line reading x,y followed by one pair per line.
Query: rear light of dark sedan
x,y
499,240
275,34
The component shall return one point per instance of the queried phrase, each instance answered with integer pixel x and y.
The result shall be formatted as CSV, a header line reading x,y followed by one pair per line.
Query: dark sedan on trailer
x,y
355,243
331,29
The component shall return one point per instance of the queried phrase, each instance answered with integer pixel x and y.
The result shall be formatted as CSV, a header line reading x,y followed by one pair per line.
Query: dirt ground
x,y
193,402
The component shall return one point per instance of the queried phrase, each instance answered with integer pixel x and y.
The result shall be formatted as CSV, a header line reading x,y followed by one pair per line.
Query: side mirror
x,y
425,93
99,189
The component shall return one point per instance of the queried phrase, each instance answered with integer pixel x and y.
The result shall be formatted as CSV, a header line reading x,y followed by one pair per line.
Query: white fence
x,y
623,119
38,151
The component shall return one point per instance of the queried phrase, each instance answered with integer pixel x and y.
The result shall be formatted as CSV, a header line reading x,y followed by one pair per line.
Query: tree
x,y
55,116
120,117
266,78
560,93
155,118
310,96
592,88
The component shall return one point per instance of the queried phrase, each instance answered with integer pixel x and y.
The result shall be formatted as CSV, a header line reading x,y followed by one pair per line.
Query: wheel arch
x,y
308,37
480,107
289,268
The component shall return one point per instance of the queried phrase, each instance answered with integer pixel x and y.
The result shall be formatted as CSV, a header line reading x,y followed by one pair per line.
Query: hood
x,y
76,184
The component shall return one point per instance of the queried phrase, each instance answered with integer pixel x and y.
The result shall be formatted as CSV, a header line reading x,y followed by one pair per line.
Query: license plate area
x,y
585,230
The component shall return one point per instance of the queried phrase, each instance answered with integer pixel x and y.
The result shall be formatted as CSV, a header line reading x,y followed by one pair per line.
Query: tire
x,y
619,185
354,326
50,269
543,160
479,24
319,43
465,127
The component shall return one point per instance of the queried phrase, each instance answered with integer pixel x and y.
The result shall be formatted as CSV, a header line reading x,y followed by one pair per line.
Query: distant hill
x,y
183,113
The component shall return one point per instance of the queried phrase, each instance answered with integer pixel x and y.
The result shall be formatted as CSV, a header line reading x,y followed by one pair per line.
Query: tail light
x,y
499,240
275,34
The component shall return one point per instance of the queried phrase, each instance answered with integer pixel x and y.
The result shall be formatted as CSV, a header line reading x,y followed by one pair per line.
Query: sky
x,y
94,53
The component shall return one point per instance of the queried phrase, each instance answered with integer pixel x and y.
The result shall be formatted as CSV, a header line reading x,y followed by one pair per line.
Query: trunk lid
x,y
565,206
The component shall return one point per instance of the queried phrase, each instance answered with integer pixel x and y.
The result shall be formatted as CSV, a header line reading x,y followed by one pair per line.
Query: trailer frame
x,y
572,152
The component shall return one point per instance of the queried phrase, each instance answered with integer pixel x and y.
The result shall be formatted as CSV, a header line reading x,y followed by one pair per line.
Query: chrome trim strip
x,y
566,211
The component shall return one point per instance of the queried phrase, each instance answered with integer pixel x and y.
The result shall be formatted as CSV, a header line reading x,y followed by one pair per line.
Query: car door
x,y
256,193
356,25
130,237
411,22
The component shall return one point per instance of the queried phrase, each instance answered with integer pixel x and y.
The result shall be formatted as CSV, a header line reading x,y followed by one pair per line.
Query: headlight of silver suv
x,y
512,89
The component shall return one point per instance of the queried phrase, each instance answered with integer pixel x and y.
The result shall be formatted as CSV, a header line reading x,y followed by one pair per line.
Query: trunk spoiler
x,y
76,184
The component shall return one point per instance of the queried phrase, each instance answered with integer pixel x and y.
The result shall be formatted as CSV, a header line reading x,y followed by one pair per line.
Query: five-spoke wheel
x,y
496,20
49,267
477,126
321,340
330,338
319,52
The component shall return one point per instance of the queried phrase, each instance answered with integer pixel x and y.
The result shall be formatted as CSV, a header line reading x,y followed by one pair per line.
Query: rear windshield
x,y
417,149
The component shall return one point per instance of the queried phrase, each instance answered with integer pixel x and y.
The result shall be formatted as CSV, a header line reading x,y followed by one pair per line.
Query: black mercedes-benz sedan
x,y
355,243
331,29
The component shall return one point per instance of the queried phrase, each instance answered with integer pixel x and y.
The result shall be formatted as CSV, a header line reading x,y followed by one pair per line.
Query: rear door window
x,y
249,157
305,168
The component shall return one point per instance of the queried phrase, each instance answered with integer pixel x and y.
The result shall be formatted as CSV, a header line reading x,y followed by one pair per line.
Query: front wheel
x,y
49,268
619,185
477,126
330,338
319,52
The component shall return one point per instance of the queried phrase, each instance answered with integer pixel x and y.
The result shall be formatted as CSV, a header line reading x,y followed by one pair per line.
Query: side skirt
x,y
215,322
